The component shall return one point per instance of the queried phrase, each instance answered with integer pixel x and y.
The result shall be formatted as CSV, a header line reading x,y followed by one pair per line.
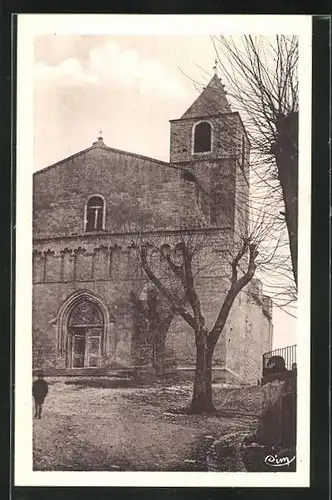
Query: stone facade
x,y
84,279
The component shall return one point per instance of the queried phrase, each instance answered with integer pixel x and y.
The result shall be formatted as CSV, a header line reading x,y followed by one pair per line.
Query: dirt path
x,y
123,429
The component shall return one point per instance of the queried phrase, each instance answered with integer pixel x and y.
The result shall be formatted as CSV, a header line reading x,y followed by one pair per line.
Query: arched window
x,y
202,137
95,214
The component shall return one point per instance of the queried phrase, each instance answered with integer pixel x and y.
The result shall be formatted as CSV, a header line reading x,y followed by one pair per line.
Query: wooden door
x,y
93,348
78,350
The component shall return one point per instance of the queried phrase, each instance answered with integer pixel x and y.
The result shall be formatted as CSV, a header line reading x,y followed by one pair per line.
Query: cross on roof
x,y
216,66
100,138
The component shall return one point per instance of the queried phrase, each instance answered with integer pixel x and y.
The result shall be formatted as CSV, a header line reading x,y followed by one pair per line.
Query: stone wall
x,y
108,267
108,256
247,335
140,193
84,264
181,338
278,420
143,195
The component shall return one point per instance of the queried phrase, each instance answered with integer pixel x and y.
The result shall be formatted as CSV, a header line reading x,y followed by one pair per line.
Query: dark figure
x,y
39,392
275,364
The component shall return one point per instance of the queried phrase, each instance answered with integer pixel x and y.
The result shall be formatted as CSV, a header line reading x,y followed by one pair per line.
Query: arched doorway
x,y
85,332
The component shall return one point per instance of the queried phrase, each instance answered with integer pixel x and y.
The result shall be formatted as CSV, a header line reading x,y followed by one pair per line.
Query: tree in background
x,y
153,315
262,79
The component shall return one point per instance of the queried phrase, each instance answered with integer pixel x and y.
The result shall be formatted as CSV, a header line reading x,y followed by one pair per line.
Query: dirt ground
x,y
134,428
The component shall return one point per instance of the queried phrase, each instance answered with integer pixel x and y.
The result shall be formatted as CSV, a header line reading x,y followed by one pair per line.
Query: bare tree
x,y
176,276
156,315
261,77
175,262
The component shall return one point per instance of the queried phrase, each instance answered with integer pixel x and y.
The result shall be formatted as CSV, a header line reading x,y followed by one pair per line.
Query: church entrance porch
x,y
85,332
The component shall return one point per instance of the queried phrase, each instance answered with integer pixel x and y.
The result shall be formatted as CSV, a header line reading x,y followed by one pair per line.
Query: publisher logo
x,y
275,461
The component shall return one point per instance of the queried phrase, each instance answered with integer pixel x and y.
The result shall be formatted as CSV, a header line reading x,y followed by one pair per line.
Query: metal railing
x,y
279,360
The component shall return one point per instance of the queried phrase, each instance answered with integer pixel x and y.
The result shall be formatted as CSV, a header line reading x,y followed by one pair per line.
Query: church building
x,y
88,210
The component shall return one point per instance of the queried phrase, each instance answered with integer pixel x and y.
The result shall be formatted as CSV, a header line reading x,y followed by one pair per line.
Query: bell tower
x,y
210,141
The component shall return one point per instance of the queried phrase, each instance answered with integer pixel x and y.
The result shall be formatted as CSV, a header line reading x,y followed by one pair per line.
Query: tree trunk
x,y
202,396
289,189
287,164
160,341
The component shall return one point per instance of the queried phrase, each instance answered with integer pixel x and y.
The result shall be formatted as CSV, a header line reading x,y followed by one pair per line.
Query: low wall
x,y
275,438
278,421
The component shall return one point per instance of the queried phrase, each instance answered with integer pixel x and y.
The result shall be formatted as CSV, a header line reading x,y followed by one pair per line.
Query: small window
x,y
202,138
95,214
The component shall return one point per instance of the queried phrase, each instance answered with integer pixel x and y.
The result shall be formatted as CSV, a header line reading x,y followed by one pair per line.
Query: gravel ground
x,y
91,428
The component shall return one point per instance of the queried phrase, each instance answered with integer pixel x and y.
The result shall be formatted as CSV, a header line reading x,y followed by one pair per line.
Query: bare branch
x,y
175,302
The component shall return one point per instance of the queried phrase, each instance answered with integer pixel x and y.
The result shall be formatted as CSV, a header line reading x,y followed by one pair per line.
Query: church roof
x,y
211,101
100,144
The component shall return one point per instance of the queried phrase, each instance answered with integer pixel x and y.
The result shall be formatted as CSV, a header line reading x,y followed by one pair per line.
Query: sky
x,y
127,87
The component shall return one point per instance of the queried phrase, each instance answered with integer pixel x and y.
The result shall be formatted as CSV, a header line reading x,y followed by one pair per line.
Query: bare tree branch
x,y
176,303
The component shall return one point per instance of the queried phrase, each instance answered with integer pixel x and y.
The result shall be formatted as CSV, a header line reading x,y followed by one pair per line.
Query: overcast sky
x,y
127,86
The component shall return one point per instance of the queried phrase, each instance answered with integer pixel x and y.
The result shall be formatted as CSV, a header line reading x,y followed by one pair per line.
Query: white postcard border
x,y
31,25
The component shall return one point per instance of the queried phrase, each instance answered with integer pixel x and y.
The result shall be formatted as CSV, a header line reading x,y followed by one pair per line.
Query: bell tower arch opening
x,y
202,137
